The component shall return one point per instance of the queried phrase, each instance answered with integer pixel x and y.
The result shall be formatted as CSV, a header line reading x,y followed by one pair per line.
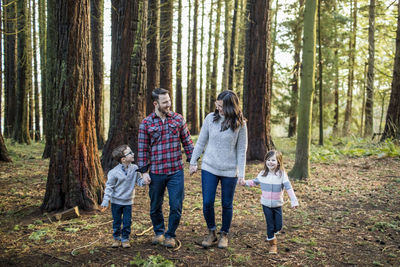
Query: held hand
x,y
146,178
192,169
241,181
294,207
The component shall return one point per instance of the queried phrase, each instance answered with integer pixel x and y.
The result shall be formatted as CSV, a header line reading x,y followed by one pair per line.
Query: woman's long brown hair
x,y
232,111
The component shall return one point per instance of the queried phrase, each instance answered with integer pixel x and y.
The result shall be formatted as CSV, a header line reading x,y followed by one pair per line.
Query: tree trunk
x,y
1,64
272,53
256,80
153,53
42,48
75,176
320,76
3,150
192,116
96,24
227,45
233,46
369,104
201,113
214,73
35,73
301,168
392,126
24,71
50,97
352,52
207,105
188,65
294,96
241,52
178,97
128,77
336,81
166,25
10,67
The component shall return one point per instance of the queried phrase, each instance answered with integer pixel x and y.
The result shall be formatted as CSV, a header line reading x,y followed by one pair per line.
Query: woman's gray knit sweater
x,y
225,152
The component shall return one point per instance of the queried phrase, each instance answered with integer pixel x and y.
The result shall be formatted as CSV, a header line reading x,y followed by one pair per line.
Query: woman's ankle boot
x,y
210,239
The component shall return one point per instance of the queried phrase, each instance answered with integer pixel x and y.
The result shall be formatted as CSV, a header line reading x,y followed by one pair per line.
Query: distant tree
x,y
273,31
96,26
214,73
179,97
3,150
239,67
207,99
10,66
336,80
320,82
201,93
301,168
192,115
24,72
75,176
42,48
234,45
227,44
153,52
128,77
369,104
188,64
35,74
392,126
166,30
257,64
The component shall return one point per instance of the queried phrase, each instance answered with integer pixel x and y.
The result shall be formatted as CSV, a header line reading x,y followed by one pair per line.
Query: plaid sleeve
x,y
143,148
186,140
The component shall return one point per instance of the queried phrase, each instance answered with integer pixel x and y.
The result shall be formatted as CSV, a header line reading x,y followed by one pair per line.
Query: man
x,y
160,157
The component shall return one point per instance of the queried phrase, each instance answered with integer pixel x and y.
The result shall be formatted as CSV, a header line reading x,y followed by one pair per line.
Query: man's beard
x,y
164,111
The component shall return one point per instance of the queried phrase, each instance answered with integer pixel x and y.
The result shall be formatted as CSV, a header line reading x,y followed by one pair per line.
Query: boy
x,y
119,191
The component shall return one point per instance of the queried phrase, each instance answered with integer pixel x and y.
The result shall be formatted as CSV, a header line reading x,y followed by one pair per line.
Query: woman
x,y
224,138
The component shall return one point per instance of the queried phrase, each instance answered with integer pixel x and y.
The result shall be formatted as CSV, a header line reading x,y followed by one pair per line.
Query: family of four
x,y
223,140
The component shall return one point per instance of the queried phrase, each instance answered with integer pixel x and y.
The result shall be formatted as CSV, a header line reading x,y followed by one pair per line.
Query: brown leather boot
x,y
223,241
273,249
210,239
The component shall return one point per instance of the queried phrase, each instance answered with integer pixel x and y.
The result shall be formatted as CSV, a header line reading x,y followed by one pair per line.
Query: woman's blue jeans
x,y
209,183
121,213
175,185
273,216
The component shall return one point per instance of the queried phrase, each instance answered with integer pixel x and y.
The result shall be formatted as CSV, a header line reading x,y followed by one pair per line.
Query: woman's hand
x,y
241,181
192,169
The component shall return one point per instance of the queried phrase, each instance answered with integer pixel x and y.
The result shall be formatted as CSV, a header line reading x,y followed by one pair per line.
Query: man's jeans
x,y
124,211
209,183
273,216
175,185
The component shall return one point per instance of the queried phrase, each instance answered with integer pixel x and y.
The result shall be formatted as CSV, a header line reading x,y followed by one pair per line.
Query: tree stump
x,y
67,214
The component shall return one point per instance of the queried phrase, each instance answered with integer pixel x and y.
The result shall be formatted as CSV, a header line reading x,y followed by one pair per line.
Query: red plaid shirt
x,y
159,143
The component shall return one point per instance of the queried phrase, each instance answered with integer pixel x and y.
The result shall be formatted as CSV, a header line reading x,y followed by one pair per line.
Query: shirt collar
x,y
154,115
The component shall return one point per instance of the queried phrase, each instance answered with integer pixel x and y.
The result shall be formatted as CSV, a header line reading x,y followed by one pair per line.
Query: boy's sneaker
x,y
115,243
170,242
126,244
158,239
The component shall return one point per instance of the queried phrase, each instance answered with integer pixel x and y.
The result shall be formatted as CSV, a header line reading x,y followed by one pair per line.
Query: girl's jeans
x,y
209,183
273,216
121,213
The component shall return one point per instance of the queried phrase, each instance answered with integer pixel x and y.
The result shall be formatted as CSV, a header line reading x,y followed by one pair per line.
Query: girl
x,y
273,179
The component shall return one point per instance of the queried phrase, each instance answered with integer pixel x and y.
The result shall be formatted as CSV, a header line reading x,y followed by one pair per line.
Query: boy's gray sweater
x,y
225,152
120,186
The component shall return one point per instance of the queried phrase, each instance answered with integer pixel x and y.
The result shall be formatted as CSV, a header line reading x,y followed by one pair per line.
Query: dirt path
x,y
349,215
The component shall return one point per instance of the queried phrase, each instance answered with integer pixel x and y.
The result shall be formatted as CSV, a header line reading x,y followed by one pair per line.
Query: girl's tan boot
x,y
273,249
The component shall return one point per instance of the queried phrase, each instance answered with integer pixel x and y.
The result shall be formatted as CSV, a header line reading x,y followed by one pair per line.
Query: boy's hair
x,y
279,159
158,91
118,153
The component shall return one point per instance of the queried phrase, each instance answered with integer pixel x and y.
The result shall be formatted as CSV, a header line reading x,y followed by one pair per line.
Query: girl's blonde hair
x,y
279,159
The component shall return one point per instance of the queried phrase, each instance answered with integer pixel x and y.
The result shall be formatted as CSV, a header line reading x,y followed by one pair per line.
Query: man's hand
x,y
103,209
146,178
192,169
241,181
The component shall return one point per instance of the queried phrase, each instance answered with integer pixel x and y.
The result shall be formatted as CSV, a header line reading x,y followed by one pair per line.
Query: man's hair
x,y
158,91
118,153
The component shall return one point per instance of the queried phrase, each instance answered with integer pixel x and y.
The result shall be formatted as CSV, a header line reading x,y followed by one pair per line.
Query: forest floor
x,y
349,214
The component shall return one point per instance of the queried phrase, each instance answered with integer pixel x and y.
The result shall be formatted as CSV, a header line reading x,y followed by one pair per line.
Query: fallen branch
x,y
54,257
72,252
145,231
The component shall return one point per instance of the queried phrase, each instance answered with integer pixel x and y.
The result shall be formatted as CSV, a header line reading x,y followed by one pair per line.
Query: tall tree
x,y
336,80
10,66
128,77
392,126
42,48
75,176
273,48
227,45
320,76
153,52
239,68
257,65
24,70
192,115
214,73
208,106
352,51
201,116
3,151
166,29
294,95
35,74
301,168
188,65
50,97
178,97
234,45
1,65
96,26
369,104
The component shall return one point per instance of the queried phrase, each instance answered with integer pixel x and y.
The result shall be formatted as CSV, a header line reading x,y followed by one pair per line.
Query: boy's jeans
x,y
175,185
124,211
209,183
273,216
